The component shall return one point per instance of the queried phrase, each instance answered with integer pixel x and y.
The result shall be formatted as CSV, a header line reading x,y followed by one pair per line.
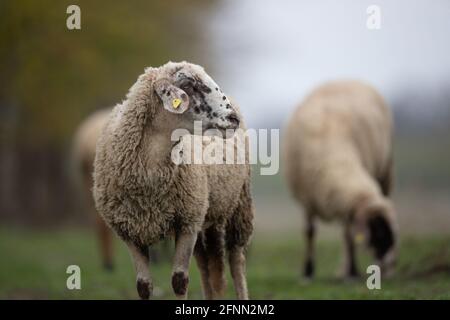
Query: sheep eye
x,y
186,85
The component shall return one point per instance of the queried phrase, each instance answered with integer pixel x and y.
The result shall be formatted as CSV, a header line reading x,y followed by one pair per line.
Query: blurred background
x,y
268,56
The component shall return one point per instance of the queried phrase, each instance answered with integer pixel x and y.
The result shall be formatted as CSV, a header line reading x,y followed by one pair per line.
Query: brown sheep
x,y
144,196
338,159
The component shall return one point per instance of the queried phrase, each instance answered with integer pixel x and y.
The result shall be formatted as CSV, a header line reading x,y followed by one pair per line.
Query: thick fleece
x,y
338,162
143,195
338,149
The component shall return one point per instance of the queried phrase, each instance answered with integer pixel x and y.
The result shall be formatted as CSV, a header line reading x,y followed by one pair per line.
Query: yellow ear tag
x,y
359,238
176,103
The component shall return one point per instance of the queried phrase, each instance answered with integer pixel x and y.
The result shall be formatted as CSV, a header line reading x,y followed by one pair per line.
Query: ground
x,y
34,267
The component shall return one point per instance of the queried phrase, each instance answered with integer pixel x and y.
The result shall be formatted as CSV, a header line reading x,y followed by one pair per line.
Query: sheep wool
x,y
145,197
338,161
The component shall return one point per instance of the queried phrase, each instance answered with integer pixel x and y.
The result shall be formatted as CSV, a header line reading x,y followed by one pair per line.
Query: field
x,y
34,260
34,267
268,58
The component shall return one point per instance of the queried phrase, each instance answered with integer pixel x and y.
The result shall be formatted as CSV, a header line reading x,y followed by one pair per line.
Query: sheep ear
x,y
174,99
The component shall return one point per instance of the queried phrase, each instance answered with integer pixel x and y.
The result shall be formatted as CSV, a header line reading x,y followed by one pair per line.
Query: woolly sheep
x,y
83,155
144,196
338,159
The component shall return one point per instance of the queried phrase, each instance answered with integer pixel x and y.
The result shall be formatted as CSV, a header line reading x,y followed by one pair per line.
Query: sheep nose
x,y
234,119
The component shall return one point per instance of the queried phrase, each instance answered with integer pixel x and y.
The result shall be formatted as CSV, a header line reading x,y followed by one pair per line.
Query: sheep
x,y
83,154
145,196
338,161
82,158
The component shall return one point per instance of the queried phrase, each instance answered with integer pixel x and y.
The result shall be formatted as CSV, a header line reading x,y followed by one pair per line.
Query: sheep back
x,y
337,144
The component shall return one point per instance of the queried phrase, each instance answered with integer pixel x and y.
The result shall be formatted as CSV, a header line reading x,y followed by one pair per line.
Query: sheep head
x,y
377,223
188,91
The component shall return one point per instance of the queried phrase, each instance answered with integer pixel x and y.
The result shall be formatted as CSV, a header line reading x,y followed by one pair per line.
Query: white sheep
x,y
144,196
338,160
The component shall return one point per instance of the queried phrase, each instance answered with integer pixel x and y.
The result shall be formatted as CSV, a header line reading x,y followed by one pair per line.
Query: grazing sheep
x,y
338,159
144,196
84,145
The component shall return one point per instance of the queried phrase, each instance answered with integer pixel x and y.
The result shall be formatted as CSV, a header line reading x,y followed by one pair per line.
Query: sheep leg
x,y
202,262
238,232
237,268
310,232
184,248
105,241
350,268
215,251
140,258
104,233
236,246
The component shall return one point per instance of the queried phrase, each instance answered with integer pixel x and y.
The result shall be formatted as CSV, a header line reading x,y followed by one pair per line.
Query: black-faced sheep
x,y
144,196
83,154
338,159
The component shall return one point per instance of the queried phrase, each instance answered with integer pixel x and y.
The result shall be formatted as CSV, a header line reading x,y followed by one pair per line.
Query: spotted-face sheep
x,y
144,196
84,144
338,159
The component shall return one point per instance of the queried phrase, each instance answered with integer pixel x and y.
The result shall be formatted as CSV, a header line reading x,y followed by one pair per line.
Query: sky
x,y
270,54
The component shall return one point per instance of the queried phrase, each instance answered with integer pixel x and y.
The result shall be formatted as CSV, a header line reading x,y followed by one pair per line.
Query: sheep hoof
x,y
144,288
180,283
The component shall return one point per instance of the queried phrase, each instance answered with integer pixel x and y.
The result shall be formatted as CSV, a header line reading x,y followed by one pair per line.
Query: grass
x,y
34,267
